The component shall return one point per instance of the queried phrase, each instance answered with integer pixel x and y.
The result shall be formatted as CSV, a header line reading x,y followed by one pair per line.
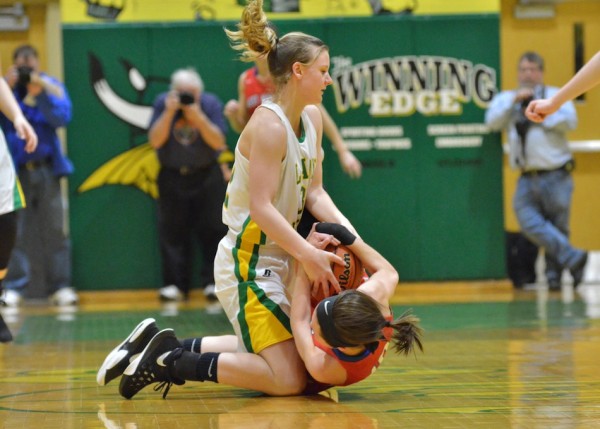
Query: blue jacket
x,y
47,115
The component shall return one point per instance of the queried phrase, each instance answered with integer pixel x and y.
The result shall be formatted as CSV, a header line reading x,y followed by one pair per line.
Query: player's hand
x,y
226,172
320,239
537,110
322,289
317,265
337,230
232,107
25,131
350,164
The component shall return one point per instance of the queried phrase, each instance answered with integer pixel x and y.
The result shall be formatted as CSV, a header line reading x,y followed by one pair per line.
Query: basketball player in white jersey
x,y
277,173
11,195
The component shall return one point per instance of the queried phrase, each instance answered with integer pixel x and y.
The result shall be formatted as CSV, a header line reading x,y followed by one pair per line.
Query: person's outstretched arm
x,y
584,80
235,110
11,109
349,163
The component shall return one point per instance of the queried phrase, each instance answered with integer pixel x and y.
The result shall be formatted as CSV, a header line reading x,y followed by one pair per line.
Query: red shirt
x,y
254,90
357,367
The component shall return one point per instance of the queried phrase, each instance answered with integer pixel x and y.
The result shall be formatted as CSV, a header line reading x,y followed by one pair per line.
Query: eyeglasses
x,y
529,69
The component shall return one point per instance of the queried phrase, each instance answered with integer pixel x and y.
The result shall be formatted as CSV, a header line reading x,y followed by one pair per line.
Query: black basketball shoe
x,y
121,356
153,365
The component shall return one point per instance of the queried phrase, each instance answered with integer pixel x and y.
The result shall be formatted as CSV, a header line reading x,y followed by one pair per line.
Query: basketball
x,y
350,276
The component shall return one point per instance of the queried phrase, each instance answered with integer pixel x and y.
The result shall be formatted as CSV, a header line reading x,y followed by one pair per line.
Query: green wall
x,y
436,213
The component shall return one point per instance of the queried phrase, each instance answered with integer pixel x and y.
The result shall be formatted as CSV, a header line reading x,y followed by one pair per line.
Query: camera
x,y
186,98
24,75
525,103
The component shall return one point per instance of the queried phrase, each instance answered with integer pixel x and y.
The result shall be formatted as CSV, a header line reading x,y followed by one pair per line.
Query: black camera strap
x,y
522,126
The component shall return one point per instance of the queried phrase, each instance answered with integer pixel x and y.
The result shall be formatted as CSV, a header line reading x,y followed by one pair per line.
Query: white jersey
x,y
11,195
252,271
297,169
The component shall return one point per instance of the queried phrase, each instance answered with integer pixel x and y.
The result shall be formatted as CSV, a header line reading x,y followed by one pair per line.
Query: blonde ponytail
x,y
254,36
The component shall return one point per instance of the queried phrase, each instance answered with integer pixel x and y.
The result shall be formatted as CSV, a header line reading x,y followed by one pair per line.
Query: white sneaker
x,y
209,291
214,308
170,293
64,297
213,305
10,298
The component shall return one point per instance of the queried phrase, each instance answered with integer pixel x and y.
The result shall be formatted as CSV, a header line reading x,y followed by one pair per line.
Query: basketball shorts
x,y
251,286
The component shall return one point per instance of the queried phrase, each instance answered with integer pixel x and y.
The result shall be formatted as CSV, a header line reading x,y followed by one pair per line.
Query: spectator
x,y
41,234
542,200
188,130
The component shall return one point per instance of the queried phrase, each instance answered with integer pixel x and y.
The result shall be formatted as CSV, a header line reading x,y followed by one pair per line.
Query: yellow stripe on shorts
x,y
18,196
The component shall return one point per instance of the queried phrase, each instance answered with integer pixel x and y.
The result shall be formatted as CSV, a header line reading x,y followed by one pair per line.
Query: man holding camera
x,y
42,244
542,200
188,130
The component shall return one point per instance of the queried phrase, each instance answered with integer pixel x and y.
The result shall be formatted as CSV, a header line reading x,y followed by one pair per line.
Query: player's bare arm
x,y
321,367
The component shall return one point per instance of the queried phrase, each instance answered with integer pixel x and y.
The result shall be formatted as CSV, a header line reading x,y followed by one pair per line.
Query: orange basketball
x,y
349,276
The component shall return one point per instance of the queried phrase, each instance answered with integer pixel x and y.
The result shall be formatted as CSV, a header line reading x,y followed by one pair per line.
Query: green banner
x,y
409,100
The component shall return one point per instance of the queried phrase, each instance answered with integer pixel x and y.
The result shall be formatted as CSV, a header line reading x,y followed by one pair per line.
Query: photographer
x,y
542,200
188,130
43,245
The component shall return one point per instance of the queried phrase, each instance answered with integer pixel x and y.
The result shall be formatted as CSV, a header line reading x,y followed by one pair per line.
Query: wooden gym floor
x,y
494,358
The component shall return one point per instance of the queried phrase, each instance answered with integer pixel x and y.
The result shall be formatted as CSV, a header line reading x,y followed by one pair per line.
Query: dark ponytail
x,y
407,333
357,320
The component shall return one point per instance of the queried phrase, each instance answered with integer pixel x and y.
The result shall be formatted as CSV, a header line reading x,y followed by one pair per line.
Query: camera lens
x,y
186,98
526,102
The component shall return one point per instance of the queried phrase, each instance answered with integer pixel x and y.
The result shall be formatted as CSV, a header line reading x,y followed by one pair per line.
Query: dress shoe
x,y
578,269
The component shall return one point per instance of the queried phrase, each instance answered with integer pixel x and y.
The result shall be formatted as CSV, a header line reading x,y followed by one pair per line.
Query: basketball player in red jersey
x,y
345,337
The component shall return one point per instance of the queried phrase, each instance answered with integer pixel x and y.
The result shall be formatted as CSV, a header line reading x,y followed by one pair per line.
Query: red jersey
x,y
254,90
357,367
